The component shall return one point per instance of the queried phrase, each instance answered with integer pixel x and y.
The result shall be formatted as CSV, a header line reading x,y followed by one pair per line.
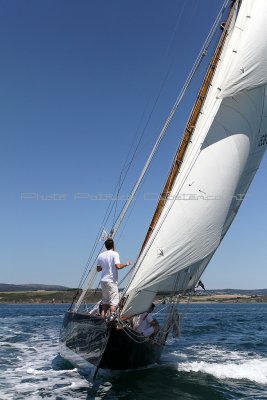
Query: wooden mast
x,y
190,126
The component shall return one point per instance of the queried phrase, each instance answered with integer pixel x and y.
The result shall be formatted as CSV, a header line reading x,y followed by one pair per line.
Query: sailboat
x,y
221,149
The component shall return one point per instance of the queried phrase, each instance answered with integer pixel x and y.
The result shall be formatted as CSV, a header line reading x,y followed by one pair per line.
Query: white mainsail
x,y
226,148
249,60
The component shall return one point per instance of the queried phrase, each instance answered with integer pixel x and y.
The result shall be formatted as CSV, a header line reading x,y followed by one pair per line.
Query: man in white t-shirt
x,y
109,262
146,324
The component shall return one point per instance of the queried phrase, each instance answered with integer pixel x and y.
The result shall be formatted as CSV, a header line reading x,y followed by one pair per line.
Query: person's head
x,y
109,244
151,308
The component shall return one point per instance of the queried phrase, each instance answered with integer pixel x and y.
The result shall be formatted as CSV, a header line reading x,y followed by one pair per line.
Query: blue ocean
x,y
220,354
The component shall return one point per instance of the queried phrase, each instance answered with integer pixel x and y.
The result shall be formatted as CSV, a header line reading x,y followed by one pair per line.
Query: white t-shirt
x,y
143,322
107,261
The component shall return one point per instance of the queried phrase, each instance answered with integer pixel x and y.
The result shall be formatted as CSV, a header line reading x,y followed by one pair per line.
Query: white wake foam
x,y
29,373
253,370
224,364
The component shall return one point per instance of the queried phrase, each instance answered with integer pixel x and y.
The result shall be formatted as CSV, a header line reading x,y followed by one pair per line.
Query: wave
x,y
252,370
222,364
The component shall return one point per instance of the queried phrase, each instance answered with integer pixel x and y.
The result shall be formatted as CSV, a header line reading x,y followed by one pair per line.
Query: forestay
x,y
227,146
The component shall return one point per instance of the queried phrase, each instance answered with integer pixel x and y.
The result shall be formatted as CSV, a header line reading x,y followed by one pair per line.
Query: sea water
x,y
220,354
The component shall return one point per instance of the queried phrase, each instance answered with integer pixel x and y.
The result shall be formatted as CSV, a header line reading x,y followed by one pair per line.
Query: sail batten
x,y
215,175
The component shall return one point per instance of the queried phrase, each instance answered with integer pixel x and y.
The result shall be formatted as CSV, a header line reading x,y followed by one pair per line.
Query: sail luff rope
x,y
191,75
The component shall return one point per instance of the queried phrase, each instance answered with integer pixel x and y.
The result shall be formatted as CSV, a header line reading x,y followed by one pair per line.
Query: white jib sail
x,y
227,146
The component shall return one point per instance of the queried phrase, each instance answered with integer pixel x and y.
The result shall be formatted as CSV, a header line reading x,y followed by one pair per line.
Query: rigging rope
x,y
124,210
121,179
171,41
193,71
127,166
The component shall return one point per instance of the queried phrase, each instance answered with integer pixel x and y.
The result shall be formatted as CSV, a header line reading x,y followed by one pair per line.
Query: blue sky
x,y
78,82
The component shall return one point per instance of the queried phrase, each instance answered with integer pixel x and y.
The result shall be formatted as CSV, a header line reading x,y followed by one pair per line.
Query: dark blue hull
x,y
88,338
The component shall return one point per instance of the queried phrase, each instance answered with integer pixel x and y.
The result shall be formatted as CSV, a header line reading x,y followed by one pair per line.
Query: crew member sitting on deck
x,y
146,324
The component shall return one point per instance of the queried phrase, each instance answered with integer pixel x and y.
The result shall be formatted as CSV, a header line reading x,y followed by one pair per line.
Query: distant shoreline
x,y
45,297
66,297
